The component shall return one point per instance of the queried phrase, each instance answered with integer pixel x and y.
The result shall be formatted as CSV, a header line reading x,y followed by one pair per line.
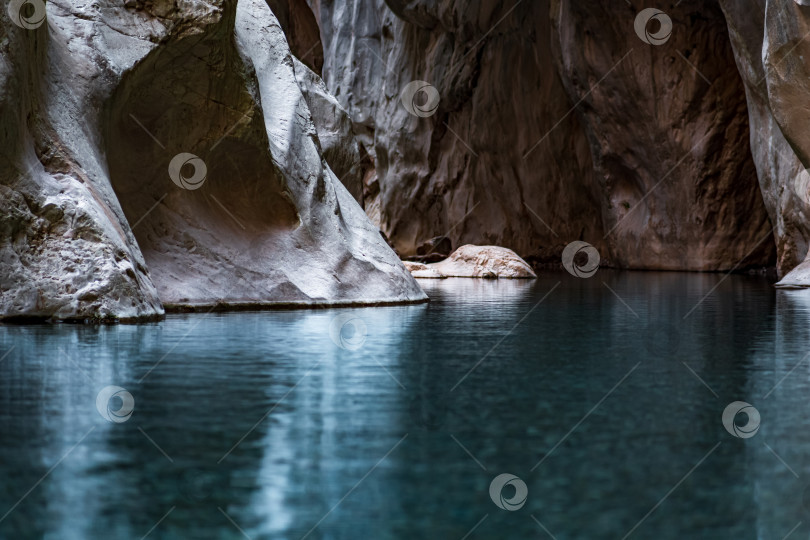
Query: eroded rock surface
x,y
770,49
340,148
555,122
778,167
269,223
66,249
488,262
301,30
483,168
668,130
421,270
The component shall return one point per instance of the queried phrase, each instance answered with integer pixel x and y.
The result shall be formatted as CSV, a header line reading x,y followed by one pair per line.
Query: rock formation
x,y
301,30
488,262
768,40
481,169
66,249
555,122
668,130
175,153
185,124
340,148
422,270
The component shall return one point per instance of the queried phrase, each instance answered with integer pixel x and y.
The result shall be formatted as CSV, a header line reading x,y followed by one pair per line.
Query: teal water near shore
x,y
604,396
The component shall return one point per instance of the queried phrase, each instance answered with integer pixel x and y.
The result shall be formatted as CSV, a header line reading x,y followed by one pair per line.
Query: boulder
x,y
422,270
488,262
798,278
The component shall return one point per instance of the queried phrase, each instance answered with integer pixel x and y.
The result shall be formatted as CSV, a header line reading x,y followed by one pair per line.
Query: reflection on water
x,y
603,395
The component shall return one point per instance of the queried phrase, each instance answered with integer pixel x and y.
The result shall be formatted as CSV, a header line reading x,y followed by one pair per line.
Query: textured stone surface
x,y
778,166
271,224
461,172
784,57
66,250
797,278
301,30
555,123
669,135
339,146
421,270
483,262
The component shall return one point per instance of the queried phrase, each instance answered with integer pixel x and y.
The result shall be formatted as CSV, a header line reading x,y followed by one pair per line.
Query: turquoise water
x,y
604,396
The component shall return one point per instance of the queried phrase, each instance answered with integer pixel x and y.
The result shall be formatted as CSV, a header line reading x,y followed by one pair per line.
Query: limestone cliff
x,y
177,153
163,153
668,130
768,39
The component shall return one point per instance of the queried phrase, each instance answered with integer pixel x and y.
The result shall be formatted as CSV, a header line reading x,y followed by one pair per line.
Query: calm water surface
x,y
603,395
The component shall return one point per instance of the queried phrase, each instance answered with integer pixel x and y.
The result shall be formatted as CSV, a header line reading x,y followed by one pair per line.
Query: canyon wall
x,y
556,121
770,50
501,160
177,153
163,153
669,134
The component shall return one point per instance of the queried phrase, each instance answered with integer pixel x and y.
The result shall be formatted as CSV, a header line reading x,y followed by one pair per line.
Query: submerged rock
x,y
422,270
196,137
487,262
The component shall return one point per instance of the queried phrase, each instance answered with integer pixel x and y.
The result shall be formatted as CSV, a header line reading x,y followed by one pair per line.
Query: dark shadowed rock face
x,y
668,130
481,169
250,214
555,122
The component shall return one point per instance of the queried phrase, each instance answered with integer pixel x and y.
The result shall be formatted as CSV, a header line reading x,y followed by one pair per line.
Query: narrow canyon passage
x,y
472,269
